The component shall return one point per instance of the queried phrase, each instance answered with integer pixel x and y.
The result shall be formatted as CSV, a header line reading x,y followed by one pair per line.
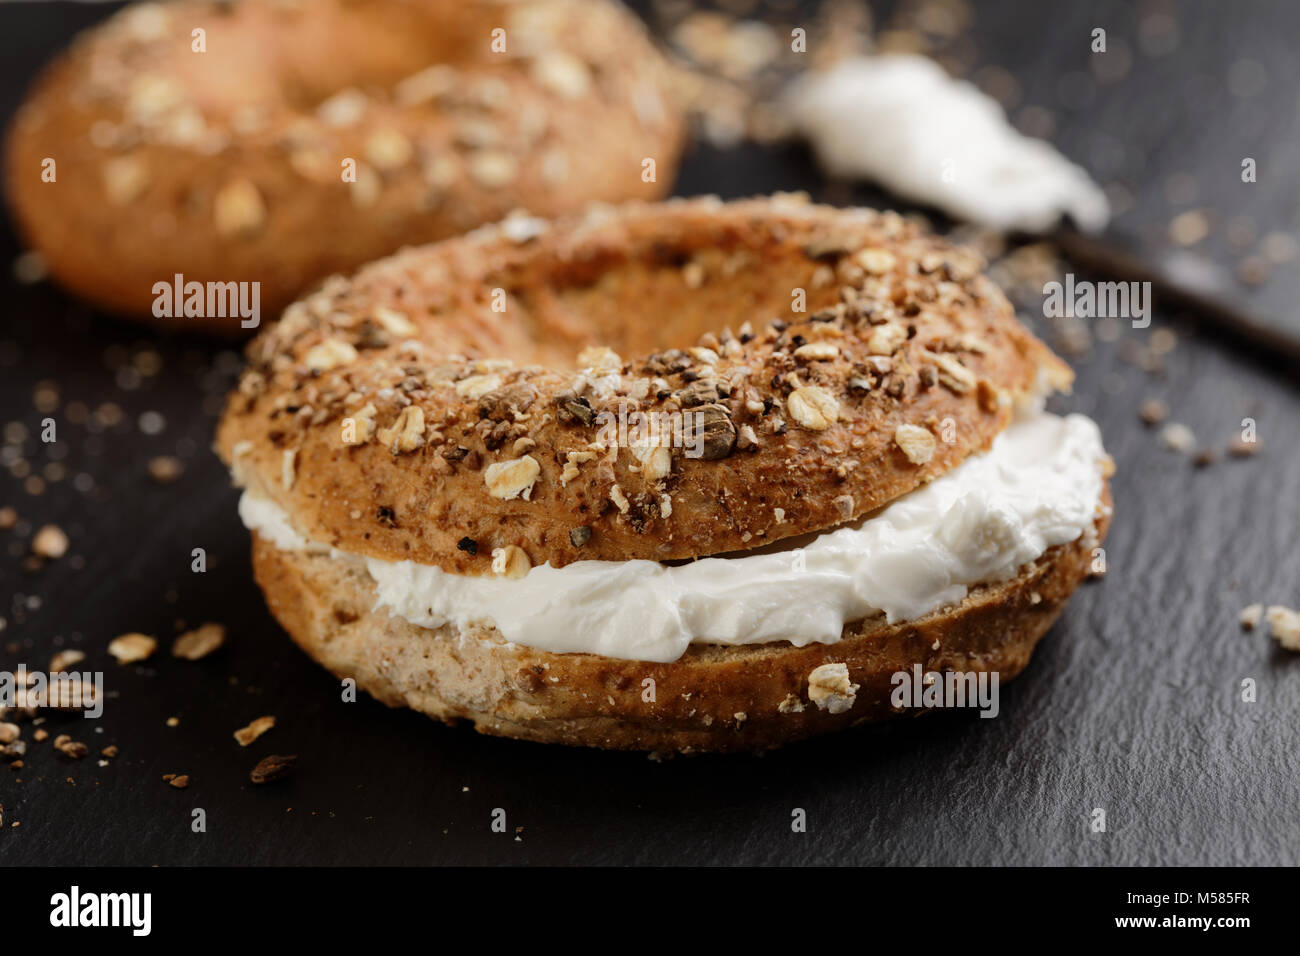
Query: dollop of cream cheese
x,y
1039,486
902,122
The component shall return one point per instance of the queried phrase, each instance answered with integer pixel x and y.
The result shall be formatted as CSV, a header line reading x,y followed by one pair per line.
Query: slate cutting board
x,y
1131,704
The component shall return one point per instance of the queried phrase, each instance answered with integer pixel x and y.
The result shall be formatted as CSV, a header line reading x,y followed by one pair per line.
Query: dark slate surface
x,y
1131,704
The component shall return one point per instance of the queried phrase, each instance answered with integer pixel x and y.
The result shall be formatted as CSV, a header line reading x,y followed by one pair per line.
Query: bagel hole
x,y
667,297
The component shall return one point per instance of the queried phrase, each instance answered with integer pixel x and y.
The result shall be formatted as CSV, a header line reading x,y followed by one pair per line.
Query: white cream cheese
x,y
902,122
1039,486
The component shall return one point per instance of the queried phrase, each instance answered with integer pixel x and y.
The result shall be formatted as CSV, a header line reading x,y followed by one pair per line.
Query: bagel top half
x,y
280,141
449,401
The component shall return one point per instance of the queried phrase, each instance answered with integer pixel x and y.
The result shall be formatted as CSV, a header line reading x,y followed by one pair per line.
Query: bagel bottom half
x,y
714,698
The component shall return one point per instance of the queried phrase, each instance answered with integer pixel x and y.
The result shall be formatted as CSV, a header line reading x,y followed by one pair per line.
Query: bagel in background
x,y
307,138
439,512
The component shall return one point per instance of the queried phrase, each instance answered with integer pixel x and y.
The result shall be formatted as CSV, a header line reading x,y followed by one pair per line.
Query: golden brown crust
x,y
397,415
712,699
227,165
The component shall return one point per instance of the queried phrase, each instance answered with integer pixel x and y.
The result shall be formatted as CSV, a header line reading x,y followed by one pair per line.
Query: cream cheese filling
x,y
1039,486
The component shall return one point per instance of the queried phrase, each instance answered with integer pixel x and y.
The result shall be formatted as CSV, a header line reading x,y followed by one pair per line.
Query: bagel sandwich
x,y
687,476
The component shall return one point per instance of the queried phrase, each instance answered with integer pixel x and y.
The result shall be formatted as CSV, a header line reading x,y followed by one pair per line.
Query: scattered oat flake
x,y
1241,448
179,781
246,735
50,542
1153,411
1178,437
63,660
173,721
30,268
1284,623
200,642
129,648
1189,228
165,469
73,749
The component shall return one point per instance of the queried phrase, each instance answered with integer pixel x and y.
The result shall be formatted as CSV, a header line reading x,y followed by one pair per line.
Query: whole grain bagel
x,y
447,412
277,141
